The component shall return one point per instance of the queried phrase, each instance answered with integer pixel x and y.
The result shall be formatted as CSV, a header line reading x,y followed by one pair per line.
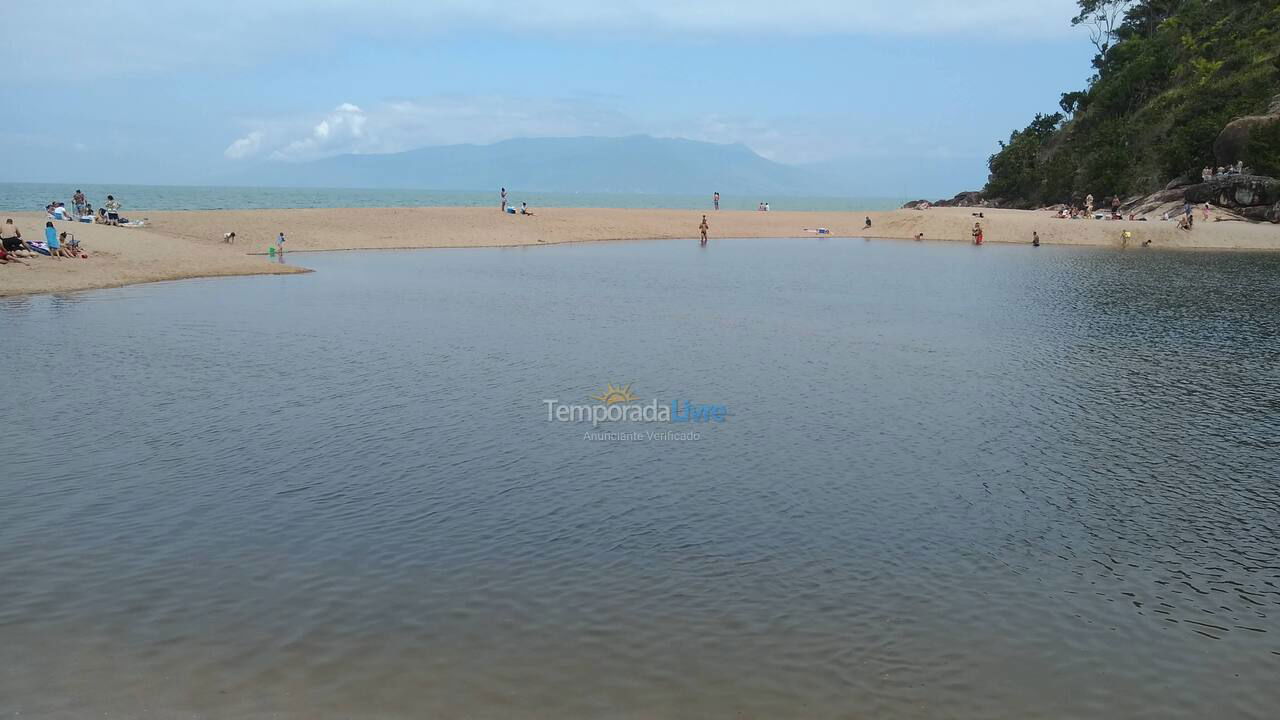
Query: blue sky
x,y
187,93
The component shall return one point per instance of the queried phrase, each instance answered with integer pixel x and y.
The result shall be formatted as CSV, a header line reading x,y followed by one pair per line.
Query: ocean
x,y
34,196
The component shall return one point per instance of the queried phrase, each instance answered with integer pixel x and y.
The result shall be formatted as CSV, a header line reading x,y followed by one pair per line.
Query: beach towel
x,y
38,246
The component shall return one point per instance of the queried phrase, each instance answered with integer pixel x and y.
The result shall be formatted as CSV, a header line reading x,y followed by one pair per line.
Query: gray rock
x,y
1236,191
1232,144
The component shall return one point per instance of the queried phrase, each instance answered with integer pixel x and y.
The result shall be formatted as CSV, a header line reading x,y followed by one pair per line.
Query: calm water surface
x,y
954,482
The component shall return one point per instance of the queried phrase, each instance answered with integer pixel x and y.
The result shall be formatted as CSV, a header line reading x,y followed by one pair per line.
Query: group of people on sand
x,y
82,211
510,209
16,249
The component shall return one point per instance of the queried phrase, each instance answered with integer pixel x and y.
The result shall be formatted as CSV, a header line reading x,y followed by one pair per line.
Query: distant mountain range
x,y
637,164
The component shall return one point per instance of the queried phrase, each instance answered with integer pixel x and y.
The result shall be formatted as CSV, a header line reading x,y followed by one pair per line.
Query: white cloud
x,y
247,146
156,35
406,124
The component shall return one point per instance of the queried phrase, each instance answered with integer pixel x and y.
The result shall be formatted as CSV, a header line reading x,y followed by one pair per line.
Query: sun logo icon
x,y
615,395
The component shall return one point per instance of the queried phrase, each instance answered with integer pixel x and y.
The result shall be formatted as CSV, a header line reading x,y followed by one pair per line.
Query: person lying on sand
x,y
6,257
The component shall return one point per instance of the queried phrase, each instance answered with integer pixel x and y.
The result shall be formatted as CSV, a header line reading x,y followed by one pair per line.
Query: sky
x,y
917,92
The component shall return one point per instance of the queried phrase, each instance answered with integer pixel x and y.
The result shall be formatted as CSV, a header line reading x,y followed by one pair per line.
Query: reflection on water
x,y
956,481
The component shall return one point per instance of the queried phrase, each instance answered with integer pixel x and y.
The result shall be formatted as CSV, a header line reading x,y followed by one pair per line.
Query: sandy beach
x,y
188,244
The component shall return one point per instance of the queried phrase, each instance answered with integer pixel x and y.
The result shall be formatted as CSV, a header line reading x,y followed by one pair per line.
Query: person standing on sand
x,y
715,200
504,199
703,228
1206,212
78,201
1088,203
113,211
280,243
977,233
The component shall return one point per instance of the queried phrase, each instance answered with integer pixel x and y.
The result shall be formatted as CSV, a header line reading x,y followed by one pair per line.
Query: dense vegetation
x,y
1170,74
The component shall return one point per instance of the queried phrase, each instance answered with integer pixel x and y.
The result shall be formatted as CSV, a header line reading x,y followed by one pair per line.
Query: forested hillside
x,y
1170,75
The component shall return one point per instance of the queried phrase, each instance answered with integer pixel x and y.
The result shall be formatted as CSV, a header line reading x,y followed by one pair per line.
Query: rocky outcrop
x,y
1232,144
1236,191
1263,213
964,199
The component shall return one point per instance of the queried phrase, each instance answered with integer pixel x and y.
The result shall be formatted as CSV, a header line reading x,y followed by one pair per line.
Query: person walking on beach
x,y
703,228
715,200
504,199
280,243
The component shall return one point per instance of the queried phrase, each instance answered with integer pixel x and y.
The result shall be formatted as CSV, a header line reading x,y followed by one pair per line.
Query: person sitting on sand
x,y
867,226
919,237
1035,239
11,239
69,241
524,209
51,239
703,228
1146,243
229,237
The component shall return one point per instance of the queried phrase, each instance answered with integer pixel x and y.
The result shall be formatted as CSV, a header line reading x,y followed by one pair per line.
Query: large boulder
x,y
964,199
1232,144
1263,213
1236,191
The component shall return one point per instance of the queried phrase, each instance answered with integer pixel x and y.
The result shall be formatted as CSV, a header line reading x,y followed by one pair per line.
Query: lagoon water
x,y
953,482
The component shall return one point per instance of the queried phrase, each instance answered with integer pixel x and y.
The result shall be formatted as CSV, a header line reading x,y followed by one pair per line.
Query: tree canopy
x,y
1169,75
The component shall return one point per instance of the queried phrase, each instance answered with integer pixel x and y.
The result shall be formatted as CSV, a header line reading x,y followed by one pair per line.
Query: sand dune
x,y
189,244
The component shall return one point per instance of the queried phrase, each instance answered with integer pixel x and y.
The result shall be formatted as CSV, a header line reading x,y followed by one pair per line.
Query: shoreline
x,y
179,245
